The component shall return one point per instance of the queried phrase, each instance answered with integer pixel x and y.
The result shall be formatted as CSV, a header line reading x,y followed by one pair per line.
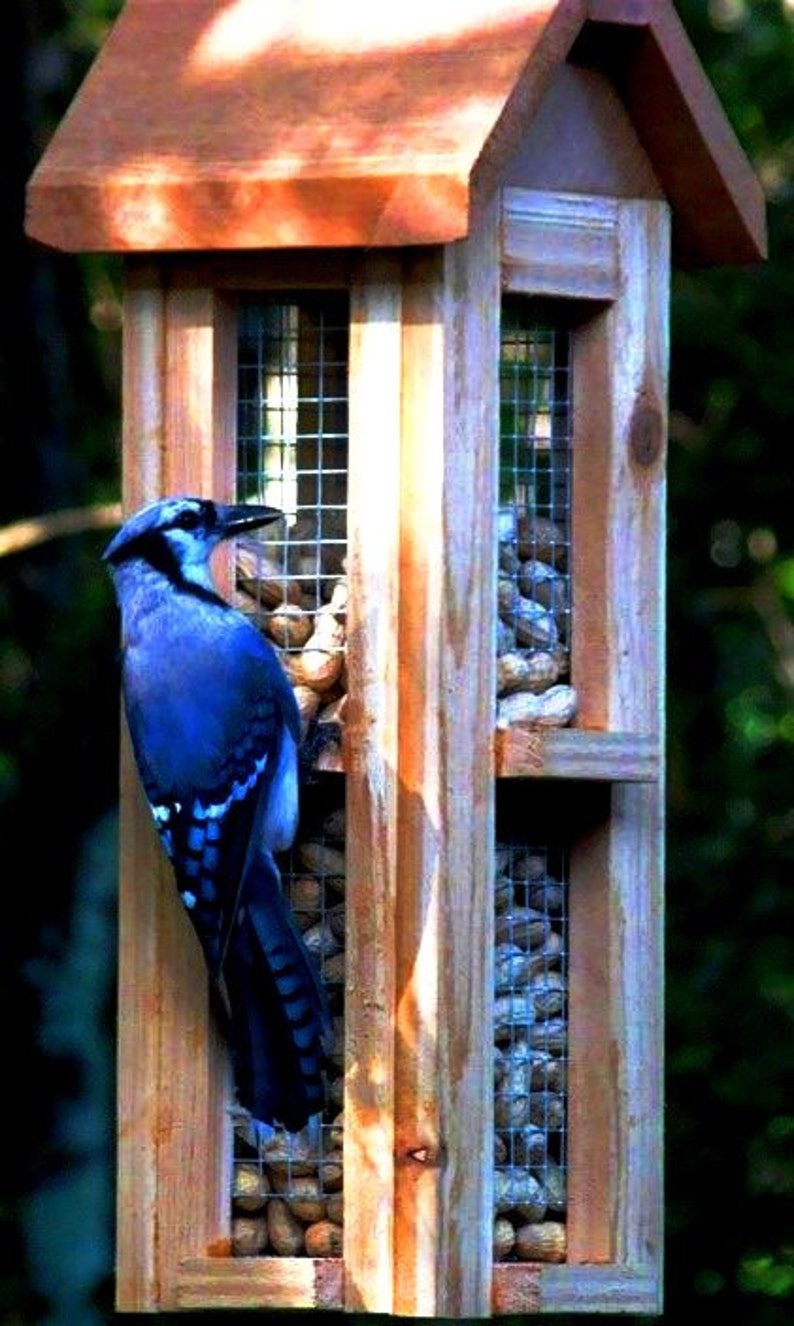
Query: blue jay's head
x,y
176,535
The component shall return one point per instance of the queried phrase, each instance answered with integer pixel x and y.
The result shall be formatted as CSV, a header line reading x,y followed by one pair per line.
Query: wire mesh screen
x,y
534,519
530,1036
287,1192
531,869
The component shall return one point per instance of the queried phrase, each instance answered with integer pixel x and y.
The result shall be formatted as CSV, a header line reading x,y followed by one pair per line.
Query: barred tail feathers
x,y
279,1028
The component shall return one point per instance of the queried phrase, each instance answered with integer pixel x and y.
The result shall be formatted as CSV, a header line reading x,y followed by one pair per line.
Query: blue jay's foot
x,y
322,740
313,1133
251,1131
272,1138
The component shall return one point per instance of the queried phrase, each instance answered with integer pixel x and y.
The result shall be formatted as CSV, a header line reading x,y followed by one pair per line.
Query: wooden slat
x,y
143,873
620,364
593,1100
419,1140
590,514
520,1289
619,373
530,752
444,942
611,1289
516,1289
615,1030
173,1149
258,1282
371,746
639,353
557,244
194,1135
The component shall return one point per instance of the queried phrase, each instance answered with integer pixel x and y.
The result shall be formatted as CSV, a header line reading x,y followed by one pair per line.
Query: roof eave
x,y
89,195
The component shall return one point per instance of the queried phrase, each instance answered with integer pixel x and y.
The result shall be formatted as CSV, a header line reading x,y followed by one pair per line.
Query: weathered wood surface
x,y
260,1282
371,797
381,127
173,1079
527,752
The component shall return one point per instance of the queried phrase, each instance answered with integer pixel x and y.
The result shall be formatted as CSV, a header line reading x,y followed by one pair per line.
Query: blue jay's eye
x,y
188,520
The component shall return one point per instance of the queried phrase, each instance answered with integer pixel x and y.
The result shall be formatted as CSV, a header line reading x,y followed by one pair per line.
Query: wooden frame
x,y
616,918
423,327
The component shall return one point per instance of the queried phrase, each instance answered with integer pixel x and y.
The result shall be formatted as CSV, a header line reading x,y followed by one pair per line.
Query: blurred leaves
x,y
731,722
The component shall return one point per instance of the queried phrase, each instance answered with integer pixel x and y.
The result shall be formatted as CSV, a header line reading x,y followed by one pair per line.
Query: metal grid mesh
x,y
292,435
530,1035
531,872
287,1194
287,1197
534,520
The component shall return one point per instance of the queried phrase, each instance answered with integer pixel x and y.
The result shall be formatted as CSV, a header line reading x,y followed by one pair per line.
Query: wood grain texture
x,y
591,1289
173,1074
369,125
516,1289
371,757
143,871
527,752
594,1054
638,333
199,448
559,244
378,128
260,1282
577,1289
620,389
443,1198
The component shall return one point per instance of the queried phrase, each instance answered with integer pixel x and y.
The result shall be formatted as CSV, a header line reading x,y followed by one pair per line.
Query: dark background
x,y
730,1105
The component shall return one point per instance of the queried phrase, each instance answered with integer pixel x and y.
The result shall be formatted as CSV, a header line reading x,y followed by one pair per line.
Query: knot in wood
x,y
427,1156
646,437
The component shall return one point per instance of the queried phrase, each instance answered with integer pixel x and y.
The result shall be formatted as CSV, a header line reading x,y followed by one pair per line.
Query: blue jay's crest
x,y
215,731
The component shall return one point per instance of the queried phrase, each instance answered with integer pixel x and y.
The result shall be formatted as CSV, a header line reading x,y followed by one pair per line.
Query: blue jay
x,y
215,731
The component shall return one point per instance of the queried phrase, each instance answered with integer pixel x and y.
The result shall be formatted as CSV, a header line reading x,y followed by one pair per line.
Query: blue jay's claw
x,y
258,1136
215,730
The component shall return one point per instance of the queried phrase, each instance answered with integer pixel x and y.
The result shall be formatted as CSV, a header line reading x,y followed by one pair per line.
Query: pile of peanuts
x,y
530,1040
304,616
287,1195
533,604
287,1198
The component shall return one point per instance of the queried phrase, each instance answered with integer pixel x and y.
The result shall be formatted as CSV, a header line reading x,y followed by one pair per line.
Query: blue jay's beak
x,y
234,520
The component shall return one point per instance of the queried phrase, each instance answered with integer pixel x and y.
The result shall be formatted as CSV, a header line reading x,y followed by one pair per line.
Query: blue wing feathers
x,y
215,729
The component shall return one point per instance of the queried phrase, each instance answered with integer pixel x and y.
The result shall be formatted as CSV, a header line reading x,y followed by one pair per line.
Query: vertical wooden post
x,y
372,655
639,360
173,1134
620,376
142,869
200,450
443,1108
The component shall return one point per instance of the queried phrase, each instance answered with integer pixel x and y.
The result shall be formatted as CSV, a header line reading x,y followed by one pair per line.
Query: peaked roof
x,y
227,124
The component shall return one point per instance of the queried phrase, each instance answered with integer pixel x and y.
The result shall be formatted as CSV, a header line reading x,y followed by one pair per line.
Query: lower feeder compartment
x,y
530,1019
287,1193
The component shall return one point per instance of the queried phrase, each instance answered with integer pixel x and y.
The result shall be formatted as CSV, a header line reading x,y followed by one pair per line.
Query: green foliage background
x,y
730,1105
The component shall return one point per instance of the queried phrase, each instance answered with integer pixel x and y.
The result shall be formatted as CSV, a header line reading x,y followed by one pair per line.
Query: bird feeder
x,y
404,272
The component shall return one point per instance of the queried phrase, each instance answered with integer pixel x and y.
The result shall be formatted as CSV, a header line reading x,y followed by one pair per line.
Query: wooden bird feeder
x,y
404,271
